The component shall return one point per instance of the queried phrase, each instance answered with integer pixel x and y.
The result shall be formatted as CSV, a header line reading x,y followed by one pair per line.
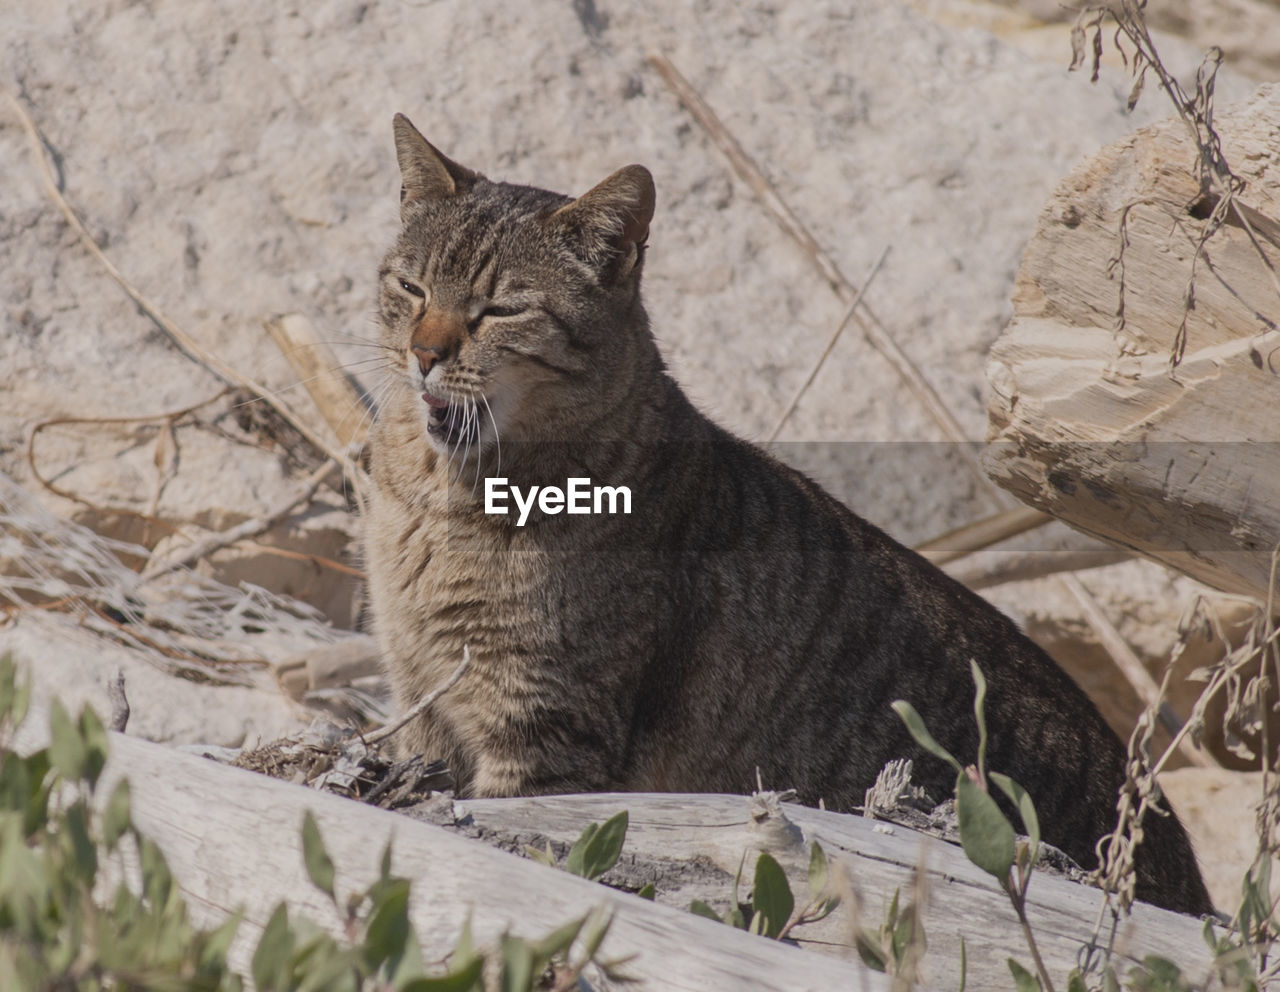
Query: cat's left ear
x,y
425,172
610,223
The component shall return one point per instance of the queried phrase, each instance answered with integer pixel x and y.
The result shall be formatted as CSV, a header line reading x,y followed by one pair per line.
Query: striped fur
x,y
739,619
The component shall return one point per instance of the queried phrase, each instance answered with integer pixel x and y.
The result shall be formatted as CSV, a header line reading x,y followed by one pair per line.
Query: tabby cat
x,y
738,618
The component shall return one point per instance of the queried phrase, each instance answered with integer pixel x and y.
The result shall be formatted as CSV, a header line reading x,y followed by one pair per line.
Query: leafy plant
x,y
987,837
61,928
772,909
898,942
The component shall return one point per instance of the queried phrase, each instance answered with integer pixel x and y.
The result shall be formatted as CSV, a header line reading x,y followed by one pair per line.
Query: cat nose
x,y
427,357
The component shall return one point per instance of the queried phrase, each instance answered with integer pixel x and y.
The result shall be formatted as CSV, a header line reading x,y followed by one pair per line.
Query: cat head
x,y
513,312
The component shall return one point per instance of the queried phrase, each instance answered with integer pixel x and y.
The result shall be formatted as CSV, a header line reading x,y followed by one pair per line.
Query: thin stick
x,y
981,534
1035,565
817,366
750,173
250,528
1134,671
188,345
423,704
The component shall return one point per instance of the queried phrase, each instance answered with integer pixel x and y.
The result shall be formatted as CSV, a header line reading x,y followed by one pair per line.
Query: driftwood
x,y
340,403
232,839
962,901
1090,420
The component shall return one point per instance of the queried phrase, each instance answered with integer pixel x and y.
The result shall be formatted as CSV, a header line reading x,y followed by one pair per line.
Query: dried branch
x,y
1134,671
188,345
750,173
1036,565
423,704
980,534
249,528
835,336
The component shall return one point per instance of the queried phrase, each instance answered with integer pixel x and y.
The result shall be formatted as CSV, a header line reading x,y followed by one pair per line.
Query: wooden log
x,y
1088,421
962,902
232,839
334,394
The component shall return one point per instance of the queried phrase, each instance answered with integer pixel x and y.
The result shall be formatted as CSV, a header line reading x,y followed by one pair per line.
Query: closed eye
x,y
495,310
413,290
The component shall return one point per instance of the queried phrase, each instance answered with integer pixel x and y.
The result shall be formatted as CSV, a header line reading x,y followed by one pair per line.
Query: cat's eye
x,y
494,310
413,290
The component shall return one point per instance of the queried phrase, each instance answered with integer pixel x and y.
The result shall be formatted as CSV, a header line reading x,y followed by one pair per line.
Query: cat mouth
x,y
452,423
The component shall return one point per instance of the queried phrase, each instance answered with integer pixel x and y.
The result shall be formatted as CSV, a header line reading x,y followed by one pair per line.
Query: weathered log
x,y
962,901
1089,420
232,839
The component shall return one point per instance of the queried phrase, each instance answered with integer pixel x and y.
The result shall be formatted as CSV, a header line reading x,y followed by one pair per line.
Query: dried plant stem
x,y
1019,900
169,417
1134,671
979,534
1035,565
423,704
750,174
188,345
835,336
250,528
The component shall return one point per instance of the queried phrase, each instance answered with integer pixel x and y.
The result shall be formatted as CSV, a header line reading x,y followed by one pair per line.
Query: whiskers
x,y
469,432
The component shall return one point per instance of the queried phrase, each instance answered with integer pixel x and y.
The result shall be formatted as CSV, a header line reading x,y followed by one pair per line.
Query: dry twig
x,y
250,528
188,345
835,336
423,704
750,173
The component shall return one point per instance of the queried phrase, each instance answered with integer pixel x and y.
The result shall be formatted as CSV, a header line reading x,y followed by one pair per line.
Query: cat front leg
x,y
535,772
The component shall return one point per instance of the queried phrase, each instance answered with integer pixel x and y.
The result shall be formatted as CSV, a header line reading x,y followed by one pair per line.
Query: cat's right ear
x,y
425,173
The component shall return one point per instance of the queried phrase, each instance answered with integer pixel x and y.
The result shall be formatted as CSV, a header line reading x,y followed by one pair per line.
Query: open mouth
x,y
452,423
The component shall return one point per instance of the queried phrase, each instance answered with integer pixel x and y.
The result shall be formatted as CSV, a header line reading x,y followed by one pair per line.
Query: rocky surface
x,y
235,162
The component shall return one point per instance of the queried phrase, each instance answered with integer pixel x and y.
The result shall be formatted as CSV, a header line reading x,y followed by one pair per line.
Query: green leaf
x,y
84,855
771,896
1023,980
117,816
388,931
818,873
543,857
985,835
463,979
979,713
917,729
67,749
1075,982
270,965
573,863
319,864
601,851
517,965
464,950
157,880
905,932
1025,807
700,908
870,952
558,941
647,891
213,952
599,921
384,863
94,735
